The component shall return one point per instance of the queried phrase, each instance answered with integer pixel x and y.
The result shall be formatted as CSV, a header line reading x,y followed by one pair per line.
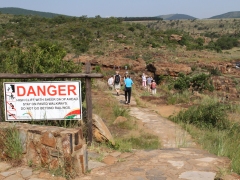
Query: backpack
x,y
153,85
117,78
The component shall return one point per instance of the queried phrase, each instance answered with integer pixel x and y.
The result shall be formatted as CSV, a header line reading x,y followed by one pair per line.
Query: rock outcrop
x,y
175,37
100,131
169,69
112,62
120,119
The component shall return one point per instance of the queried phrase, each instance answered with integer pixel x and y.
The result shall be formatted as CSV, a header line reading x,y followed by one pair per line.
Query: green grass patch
x,y
209,125
120,111
129,124
144,141
11,144
183,97
220,142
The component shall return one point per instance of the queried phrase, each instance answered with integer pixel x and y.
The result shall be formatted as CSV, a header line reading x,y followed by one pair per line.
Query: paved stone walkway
x,y
169,163
179,158
7,172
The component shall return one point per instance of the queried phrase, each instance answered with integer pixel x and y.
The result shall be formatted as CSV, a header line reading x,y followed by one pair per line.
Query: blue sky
x,y
128,8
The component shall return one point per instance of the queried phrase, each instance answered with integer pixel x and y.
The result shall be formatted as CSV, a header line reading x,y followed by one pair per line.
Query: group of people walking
x,y
149,83
114,82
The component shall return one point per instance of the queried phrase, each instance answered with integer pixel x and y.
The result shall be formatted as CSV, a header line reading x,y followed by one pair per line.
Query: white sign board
x,y
29,101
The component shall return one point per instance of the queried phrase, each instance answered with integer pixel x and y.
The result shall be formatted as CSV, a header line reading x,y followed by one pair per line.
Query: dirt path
x,y
179,158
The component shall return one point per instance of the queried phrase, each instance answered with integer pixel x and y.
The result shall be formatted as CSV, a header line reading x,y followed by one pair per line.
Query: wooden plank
x,y
55,75
89,103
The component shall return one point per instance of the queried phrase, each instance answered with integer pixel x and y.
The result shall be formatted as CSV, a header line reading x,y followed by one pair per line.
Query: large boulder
x,y
100,130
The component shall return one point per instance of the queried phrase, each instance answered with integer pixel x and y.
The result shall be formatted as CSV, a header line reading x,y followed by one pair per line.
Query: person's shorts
x,y
117,86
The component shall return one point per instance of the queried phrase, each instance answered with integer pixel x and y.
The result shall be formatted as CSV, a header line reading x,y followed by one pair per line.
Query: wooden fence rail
x,y
46,76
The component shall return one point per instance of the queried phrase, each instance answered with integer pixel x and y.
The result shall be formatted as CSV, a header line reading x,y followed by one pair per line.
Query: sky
x,y
128,8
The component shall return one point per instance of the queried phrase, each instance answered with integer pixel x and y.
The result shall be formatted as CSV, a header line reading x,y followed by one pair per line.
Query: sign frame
x,y
42,100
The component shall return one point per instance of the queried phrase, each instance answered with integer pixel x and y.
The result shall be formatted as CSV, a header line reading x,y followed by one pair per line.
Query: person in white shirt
x,y
110,83
144,80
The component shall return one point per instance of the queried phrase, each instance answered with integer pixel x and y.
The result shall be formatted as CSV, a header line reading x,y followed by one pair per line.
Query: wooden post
x,y
89,103
1,102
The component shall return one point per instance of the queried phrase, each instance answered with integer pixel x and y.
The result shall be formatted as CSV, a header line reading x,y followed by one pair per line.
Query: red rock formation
x,y
170,69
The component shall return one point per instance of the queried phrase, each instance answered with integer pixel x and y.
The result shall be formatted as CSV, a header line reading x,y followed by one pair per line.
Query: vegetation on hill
x,y
176,17
235,14
92,35
20,11
33,44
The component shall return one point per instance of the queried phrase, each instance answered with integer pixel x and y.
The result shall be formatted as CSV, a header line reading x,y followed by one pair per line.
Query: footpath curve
x,y
168,163
172,162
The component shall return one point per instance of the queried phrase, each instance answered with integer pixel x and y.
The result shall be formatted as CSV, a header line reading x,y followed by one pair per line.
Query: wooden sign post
x,y
87,75
89,103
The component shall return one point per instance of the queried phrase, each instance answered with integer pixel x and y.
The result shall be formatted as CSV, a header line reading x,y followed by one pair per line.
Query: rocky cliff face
x,y
224,82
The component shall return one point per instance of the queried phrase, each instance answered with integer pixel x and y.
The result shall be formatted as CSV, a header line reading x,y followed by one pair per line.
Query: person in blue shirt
x,y
128,90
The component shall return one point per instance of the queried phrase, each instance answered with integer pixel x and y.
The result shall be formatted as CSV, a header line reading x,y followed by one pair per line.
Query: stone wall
x,y
52,147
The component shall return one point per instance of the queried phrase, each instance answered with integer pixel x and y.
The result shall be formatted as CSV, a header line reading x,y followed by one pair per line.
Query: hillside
x,y
235,14
102,36
176,17
190,60
19,11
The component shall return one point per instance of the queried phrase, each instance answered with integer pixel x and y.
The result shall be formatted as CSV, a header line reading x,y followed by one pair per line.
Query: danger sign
x,y
42,100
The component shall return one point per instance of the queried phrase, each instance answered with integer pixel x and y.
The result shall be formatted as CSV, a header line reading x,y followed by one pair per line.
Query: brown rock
x,y
66,145
100,130
48,139
120,119
175,37
54,164
44,155
121,36
171,69
69,56
109,160
113,61
32,154
44,175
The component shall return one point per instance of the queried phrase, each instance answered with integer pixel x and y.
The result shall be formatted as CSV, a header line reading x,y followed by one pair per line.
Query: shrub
x,y
215,72
201,82
226,42
97,69
209,115
11,144
120,111
182,83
